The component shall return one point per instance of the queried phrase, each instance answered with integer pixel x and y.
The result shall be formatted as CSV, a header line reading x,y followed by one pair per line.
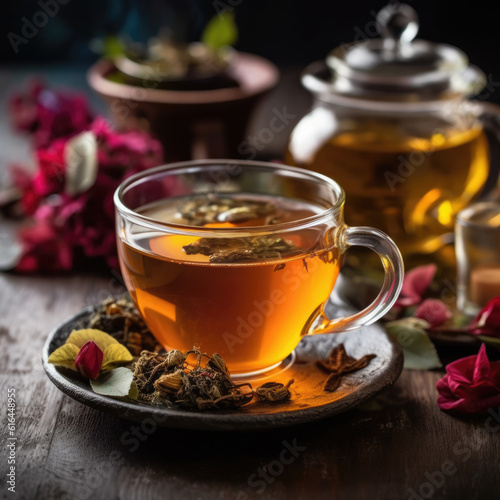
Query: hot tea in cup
x,y
240,258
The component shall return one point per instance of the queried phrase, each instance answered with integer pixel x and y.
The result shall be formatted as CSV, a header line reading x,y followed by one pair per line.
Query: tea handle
x,y
392,261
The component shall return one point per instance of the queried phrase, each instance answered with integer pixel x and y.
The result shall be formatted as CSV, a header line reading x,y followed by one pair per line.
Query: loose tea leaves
x,y
120,319
167,378
212,209
338,364
222,250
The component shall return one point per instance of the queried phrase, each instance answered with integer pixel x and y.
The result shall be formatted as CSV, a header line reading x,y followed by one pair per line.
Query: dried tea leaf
x,y
274,391
118,383
224,250
210,209
169,383
121,320
65,356
218,363
161,381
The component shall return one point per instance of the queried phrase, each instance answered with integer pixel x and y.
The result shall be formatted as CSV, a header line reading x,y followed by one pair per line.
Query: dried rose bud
x,y
434,311
89,360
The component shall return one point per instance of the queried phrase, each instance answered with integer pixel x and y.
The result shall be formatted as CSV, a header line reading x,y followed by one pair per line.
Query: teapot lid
x,y
398,67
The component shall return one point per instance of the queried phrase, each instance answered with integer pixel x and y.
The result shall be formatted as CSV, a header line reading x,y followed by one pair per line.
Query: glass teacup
x,y
240,257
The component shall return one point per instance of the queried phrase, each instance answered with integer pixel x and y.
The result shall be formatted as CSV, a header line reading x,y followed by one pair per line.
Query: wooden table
x,y
408,449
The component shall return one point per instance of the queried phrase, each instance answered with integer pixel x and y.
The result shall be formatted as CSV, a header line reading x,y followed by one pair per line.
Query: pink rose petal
x,y
415,284
434,311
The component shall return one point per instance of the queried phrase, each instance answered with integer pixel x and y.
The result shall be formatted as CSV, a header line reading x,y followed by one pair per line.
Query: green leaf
x,y
115,355
419,351
220,31
113,47
65,356
118,383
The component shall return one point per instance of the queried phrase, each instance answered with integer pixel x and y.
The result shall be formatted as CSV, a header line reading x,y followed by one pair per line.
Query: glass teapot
x,y
392,123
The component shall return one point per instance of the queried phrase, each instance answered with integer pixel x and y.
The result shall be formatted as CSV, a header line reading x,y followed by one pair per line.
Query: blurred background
x,y
290,33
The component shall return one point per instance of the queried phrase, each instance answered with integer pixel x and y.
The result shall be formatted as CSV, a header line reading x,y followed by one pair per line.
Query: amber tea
x,y
246,298
401,182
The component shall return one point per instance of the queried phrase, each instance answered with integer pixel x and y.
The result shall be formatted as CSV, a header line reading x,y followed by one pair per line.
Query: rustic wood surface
x,y
405,449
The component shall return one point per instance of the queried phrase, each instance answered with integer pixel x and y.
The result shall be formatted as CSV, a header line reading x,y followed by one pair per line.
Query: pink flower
x,y
471,384
67,228
433,311
487,322
44,249
415,284
89,360
48,114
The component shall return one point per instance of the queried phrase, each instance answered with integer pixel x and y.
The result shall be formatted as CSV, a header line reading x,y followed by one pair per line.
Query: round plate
x,y
308,402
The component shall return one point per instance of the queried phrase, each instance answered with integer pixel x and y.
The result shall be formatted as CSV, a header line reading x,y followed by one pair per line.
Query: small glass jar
x,y
391,122
477,243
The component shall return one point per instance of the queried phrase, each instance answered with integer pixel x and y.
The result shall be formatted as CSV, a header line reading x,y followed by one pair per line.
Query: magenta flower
x,y
434,311
471,384
89,360
67,225
415,285
49,115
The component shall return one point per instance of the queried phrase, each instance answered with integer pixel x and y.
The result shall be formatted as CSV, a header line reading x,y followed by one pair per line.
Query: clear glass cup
x,y
252,313
477,246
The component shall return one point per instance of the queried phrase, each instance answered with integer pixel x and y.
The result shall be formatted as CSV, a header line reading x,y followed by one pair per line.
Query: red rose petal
x,y
487,322
471,384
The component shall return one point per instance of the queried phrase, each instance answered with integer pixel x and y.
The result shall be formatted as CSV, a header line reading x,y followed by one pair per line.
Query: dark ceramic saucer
x,y
308,403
